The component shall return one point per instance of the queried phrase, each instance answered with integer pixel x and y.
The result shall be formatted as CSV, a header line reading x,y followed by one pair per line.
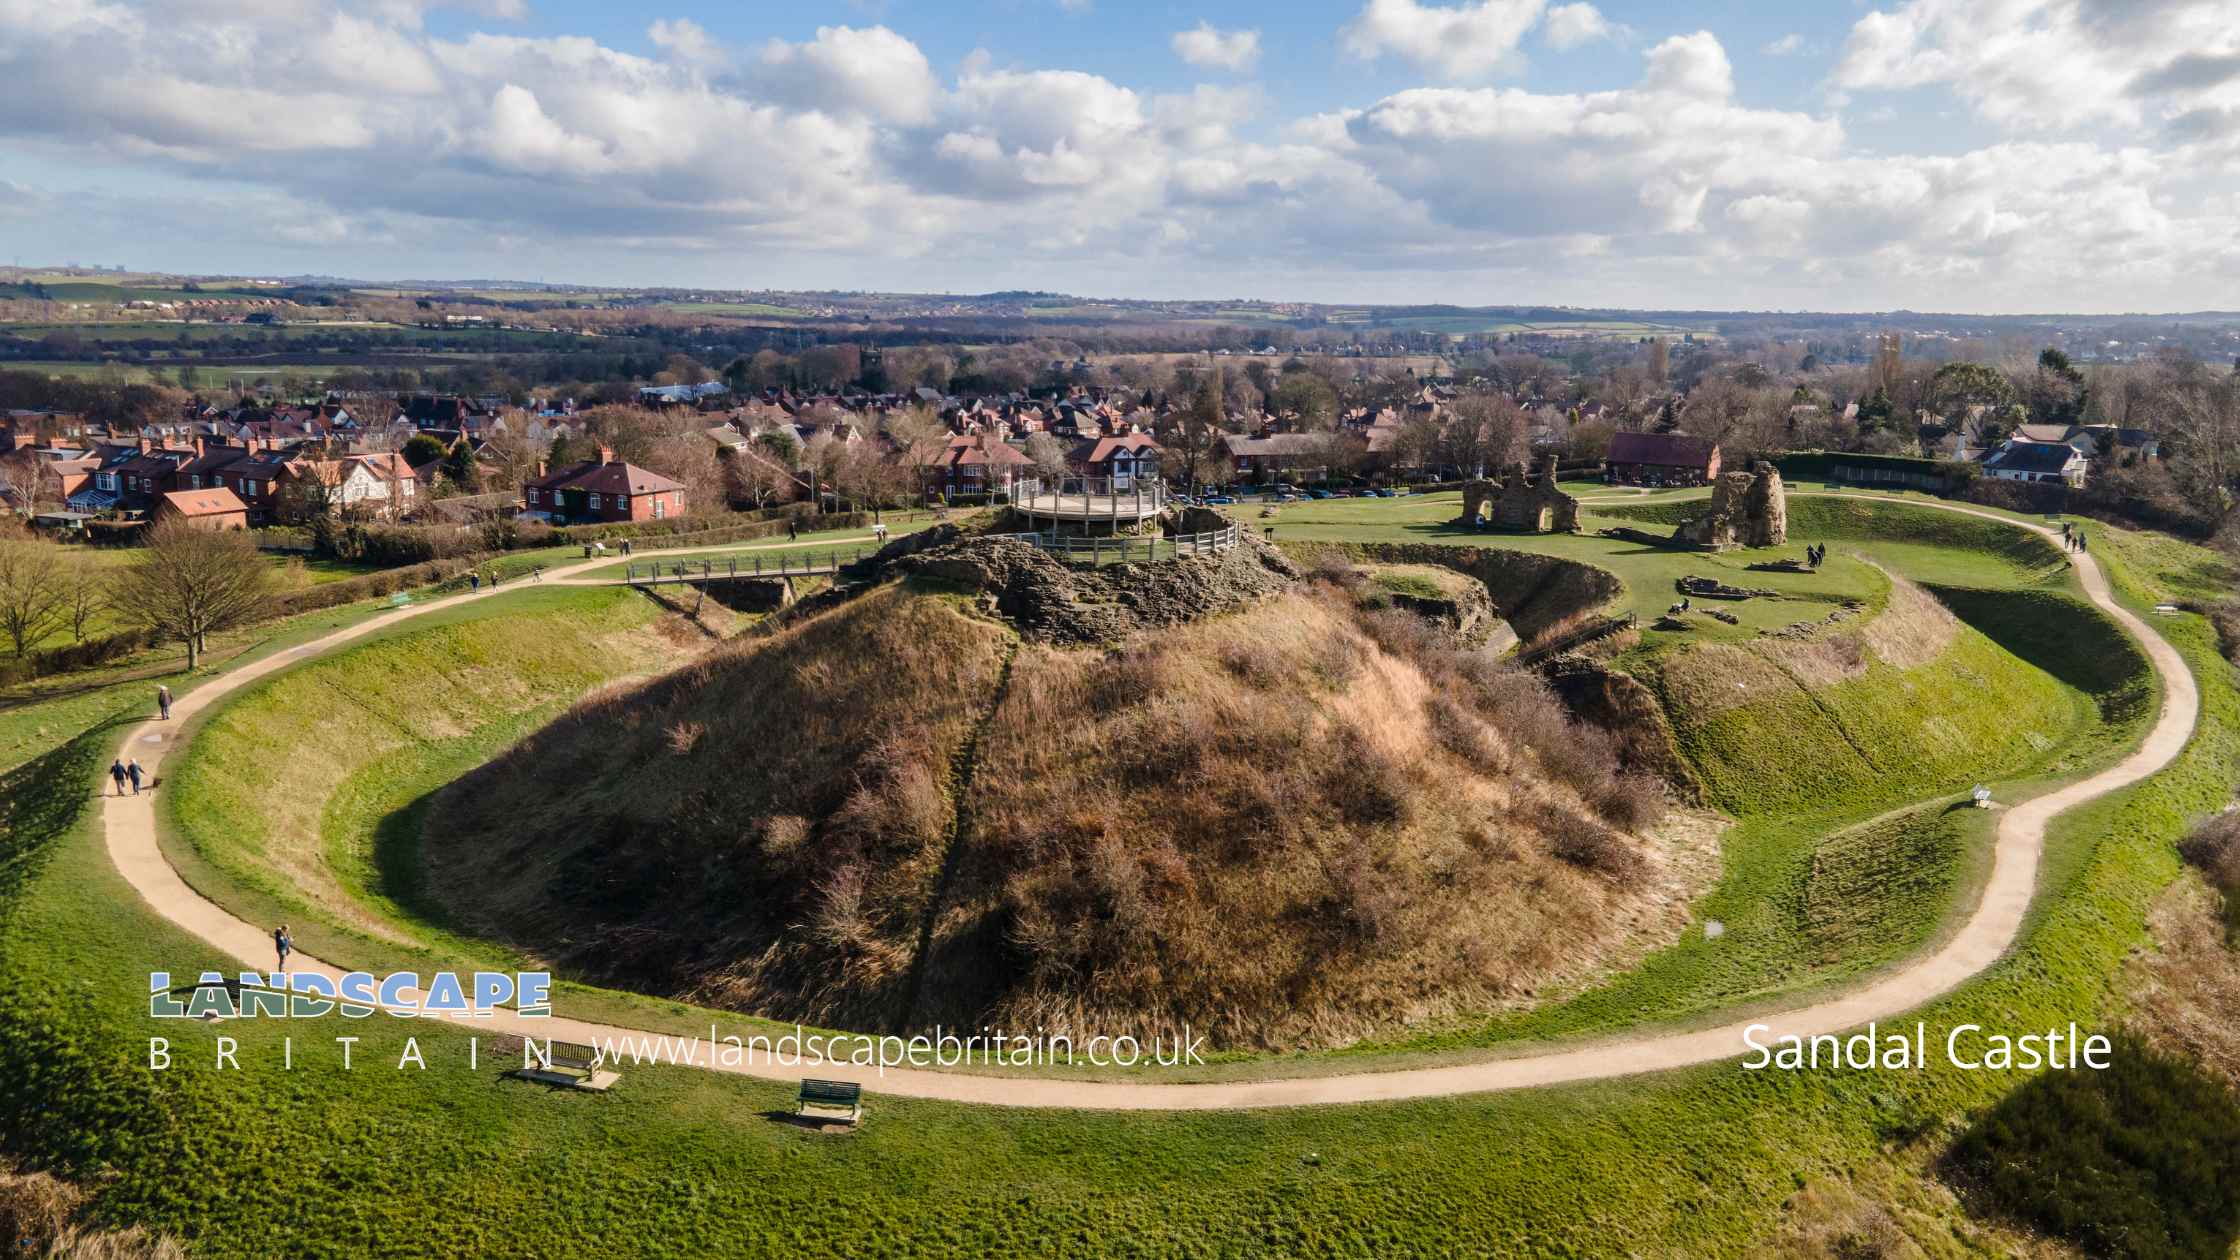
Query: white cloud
x,y
1207,48
2035,64
1787,46
1571,25
685,40
320,126
1690,65
874,71
1462,42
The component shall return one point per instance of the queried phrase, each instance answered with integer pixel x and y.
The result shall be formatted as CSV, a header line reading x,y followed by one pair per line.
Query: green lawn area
x,y
377,1161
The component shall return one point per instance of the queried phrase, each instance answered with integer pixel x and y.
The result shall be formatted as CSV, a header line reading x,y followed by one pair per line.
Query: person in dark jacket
x,y
116,774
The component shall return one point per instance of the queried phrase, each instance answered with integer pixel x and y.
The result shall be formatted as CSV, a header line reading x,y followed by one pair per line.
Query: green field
x,y
1705,1162
758,310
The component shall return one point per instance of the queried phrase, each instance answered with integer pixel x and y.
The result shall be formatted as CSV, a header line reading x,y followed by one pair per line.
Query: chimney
x,y
540,470
198,446
606,455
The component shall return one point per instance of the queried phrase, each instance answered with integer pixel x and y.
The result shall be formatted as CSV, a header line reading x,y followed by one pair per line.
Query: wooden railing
x,y
1126,550
724,569
1090,498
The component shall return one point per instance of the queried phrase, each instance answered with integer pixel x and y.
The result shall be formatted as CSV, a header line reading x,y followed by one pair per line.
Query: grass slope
x,y
1708,1162
273,807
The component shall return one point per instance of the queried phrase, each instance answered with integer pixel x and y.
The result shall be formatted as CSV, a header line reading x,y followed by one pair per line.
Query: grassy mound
x,y
277,799
1284,826
1903,700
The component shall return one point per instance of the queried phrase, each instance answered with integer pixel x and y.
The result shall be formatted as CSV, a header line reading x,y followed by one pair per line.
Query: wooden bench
x,y
844,1098
569,1063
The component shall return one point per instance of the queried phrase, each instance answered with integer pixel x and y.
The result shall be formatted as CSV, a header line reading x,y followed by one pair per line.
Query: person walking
x,y
283,946
133,771
163,703
536,573
474,583
116,773
793,530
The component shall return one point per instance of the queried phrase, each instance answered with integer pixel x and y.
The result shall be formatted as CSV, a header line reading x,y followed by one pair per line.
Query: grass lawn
x,y
378,1161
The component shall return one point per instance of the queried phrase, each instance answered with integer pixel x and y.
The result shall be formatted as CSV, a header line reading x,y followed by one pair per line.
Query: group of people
x,y
1815,554
2072,538
125,770
122,771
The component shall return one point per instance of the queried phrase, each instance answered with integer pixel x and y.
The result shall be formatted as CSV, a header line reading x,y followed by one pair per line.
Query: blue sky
x,y
1933,154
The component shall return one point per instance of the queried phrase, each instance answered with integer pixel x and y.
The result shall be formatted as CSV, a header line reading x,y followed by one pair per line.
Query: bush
x,y
2139,1161
2214,848
1587,844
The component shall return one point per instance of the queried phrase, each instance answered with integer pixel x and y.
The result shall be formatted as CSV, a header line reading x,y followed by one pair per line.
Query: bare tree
x,y
1048,454
1482,432
1198,431
31,592
24,480
85,596
2204,444
190,582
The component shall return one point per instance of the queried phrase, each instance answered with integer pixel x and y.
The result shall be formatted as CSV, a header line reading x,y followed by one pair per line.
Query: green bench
x,y
820,1098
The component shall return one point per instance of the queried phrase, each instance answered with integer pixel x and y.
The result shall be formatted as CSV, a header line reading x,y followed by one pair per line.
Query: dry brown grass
x,y
781,858
1288,826
1366,846
2185,993
1912,629
1711,678
38,1221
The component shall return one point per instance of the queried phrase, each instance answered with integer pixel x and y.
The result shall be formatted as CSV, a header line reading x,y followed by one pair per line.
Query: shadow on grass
x,y
2063,636
2139,1161
41,800
398,870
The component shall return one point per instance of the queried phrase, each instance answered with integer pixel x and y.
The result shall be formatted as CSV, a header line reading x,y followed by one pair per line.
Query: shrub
x,y
1572,837
2214,848
2139,1161
1362,781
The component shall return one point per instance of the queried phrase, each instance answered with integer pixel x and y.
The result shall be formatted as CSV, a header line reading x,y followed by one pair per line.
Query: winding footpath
x,y
1990,929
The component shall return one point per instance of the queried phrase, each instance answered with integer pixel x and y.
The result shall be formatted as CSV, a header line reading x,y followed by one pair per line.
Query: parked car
x,y
1217,500
1318,494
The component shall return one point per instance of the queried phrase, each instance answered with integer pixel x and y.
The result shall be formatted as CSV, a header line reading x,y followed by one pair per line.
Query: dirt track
x,y
1988,932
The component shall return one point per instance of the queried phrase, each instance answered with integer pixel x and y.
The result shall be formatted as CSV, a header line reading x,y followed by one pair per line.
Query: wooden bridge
x,y
740,568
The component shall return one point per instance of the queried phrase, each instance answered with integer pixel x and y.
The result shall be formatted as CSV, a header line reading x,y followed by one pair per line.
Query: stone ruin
x,y
1518,502
1748,509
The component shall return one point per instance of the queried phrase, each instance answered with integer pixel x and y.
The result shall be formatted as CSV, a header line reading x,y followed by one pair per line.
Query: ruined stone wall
x,y
1748,509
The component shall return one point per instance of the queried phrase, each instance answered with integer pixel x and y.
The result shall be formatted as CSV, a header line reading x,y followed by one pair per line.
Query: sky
x,y
1946,155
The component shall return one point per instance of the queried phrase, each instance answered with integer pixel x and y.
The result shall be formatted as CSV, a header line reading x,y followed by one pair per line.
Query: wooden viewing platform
x,y
1087,500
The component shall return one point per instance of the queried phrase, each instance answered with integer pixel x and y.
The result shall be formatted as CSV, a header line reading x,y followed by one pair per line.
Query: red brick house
x,y
206,509
1661,459
973,464
607,489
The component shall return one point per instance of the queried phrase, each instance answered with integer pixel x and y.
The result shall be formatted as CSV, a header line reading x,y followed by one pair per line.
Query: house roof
x,y
969,449
609,478
1667,450
218,502
1124,444
387,465
1273,444
2034,457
